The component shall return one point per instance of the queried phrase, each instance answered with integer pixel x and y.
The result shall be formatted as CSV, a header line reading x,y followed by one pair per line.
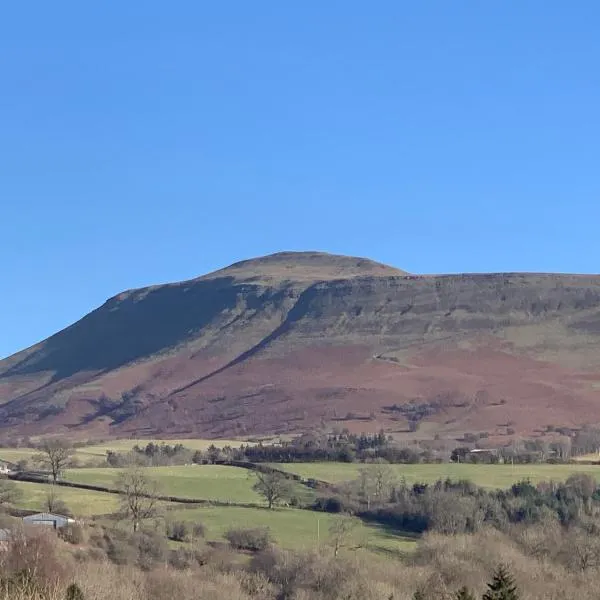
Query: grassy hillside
x,y
289,527
82,503
206,482
288,342
489,476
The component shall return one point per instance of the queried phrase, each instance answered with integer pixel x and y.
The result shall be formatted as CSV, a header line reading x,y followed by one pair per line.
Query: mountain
x,y
294,341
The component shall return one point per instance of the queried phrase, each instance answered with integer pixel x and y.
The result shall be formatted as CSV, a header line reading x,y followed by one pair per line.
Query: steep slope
x,y
294,340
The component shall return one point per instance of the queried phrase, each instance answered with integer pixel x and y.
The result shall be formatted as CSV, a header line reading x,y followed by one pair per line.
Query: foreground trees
x,y
55,455
273,487
138,495
502,586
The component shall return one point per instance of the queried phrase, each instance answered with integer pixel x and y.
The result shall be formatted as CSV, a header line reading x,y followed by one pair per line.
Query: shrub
x,y
183,558
151,549
330,504
119,551
178,531
59,507
254,540
74,593
198,530
72,533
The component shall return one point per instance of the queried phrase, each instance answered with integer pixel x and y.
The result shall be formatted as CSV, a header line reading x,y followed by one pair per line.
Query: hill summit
x,y
297,340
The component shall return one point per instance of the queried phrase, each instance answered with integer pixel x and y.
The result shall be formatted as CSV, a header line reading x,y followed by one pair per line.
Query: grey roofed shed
x,y
48,519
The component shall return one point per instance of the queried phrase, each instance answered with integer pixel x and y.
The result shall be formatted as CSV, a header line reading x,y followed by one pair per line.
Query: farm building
x,y
47,519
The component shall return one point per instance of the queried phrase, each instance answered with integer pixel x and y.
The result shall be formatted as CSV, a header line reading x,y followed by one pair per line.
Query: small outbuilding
x,y
48,519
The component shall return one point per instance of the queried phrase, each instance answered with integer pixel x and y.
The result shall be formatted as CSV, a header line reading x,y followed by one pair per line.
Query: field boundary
x,y
100,488
308,482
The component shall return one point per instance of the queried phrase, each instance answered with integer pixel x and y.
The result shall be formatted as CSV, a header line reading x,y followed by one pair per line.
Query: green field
x,y
82,503
489,476
290,528
98,451
205,482
16,454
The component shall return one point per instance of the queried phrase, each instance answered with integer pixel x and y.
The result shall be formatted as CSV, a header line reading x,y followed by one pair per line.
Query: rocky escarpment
x,y
294,340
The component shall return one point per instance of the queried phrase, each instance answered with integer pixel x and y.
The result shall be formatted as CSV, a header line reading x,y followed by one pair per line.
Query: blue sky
x,y
144,142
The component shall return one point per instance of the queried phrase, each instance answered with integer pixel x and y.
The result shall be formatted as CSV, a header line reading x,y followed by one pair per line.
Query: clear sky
x,y
145,142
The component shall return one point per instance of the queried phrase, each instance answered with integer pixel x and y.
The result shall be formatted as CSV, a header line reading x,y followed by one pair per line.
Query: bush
x,y
331,504
178,531
144,549
120,552
151,550
59,507
254,540
72,533
184,558
198,530
74,593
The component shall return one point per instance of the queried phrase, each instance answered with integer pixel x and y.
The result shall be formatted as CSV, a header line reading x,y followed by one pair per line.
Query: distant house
x,y
48,520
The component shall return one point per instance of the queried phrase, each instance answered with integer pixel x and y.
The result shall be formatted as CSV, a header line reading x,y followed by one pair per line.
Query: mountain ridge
x,y
329,336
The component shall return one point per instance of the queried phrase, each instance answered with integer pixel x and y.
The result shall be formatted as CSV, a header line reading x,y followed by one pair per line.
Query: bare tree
x,y
375,483
581,551
383,481
341,533
54,504
55,456
272,486
138,495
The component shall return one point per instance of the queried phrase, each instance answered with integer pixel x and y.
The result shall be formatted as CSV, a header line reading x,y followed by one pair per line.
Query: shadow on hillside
x,y
145,322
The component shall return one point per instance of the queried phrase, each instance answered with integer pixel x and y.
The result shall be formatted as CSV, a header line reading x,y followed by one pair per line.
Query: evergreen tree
x,y
464,594
502,586
419,595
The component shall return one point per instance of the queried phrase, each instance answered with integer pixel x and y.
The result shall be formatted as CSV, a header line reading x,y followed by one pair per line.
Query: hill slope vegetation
x,y
291,341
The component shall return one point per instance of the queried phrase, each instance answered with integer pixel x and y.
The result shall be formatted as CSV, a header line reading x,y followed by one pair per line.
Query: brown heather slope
x,y
291,341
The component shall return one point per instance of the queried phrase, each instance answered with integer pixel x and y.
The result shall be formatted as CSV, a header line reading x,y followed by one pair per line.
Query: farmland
x,y
83,503
290,528
487,476
95,452
206,482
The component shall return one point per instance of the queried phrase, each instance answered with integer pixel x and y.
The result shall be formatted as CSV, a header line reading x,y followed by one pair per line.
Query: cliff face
x,y
297,340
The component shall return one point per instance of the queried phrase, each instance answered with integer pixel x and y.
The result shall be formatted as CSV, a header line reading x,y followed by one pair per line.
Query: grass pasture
x,y
83,503
206,482
487,476
14,455
290,528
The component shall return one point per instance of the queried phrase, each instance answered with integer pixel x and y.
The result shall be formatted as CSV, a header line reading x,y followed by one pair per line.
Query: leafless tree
x,y
55,456
341,534
375,483
581,551
585,486
272,486
138,495
562,447
54,504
